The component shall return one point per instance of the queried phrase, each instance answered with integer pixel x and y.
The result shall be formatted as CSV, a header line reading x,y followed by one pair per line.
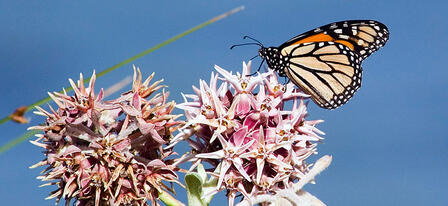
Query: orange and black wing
x,y
329,71
362,36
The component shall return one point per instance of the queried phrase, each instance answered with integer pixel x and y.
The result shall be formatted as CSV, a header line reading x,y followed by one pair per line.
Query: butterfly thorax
x,y
274,59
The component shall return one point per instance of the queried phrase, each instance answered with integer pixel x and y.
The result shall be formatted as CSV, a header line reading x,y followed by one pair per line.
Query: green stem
x,y
169,200
141,54
18,140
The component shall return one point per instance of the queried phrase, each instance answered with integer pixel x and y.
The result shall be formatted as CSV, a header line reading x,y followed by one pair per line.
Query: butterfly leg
x,y
259,67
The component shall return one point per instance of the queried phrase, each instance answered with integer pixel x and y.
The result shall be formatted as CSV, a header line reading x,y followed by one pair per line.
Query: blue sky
x,y
389,143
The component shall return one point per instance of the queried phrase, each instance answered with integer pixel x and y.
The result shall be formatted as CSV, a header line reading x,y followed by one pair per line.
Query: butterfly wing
x,y
361,36
329,71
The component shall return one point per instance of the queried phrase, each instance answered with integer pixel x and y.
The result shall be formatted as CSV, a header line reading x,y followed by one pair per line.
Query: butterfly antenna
x,y
248,37
233,46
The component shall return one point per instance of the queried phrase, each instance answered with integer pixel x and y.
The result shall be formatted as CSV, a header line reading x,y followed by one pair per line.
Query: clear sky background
x,y
389,143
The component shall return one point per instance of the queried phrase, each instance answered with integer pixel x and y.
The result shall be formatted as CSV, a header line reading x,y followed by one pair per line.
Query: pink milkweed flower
x,y
108,152
263,144
243,84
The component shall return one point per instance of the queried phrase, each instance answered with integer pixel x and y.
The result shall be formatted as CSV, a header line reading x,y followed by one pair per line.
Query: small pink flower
x,y
243,85
262,145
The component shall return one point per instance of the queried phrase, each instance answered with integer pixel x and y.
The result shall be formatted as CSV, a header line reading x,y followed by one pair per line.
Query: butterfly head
x,y
274,59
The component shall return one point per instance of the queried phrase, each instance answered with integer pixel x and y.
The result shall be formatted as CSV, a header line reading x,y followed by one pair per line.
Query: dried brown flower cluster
x,y
108,152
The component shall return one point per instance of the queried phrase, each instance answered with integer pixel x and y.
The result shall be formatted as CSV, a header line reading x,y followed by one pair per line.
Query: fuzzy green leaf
x,y
193,182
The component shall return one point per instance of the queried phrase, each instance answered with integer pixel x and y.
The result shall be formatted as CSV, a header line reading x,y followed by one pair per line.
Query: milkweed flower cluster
x,y
108,152
244,129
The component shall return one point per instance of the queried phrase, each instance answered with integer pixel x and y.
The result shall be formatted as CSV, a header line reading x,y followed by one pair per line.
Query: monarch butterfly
x,y
326,62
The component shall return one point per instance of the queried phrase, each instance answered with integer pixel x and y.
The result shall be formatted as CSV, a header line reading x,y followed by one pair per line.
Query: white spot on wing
x,y
360,42
343,36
